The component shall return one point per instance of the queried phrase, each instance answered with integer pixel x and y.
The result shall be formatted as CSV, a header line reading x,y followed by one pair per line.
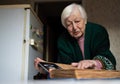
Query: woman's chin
x,y
77,36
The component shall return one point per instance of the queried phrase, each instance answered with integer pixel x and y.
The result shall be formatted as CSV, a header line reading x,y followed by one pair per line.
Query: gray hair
x,y
67,11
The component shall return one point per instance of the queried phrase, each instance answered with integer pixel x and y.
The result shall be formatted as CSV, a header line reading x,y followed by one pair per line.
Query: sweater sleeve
x,y
106,63
102,49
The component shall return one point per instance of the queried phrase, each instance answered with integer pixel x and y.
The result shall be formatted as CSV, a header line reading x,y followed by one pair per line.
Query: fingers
x,y
85,64
51,69
39,60
74,64
36,61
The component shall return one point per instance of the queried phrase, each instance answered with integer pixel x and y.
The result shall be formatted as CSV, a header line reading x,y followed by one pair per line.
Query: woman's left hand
x,y
86,64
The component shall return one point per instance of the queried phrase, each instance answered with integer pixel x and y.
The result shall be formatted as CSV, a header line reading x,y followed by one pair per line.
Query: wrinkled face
x,y
75,24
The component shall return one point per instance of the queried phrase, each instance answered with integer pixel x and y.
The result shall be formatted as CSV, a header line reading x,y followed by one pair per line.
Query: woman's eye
x,y
77,21
69,24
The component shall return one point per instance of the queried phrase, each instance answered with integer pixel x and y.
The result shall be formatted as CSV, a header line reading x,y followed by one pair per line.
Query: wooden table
x,y
68,71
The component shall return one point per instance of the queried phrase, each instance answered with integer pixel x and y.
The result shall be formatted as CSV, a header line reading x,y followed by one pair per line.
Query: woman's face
x,y
75,24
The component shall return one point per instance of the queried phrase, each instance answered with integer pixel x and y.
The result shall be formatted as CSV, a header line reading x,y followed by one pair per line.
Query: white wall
x,y
107,13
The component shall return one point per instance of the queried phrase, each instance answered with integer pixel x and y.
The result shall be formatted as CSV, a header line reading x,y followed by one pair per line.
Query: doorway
x,y
50,14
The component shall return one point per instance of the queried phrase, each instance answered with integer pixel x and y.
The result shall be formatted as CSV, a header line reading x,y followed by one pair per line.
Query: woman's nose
x,y
74,26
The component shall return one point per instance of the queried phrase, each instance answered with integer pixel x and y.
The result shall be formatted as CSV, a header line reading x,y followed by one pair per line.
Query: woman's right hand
x,y
36,61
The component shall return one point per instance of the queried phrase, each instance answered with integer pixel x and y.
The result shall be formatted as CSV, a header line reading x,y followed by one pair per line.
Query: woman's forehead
x,y
74,15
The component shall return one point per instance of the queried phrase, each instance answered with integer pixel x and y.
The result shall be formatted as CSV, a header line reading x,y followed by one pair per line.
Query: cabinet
x,y
21,41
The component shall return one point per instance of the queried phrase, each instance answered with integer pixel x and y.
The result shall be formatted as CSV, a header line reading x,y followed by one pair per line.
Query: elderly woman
x,y
83,44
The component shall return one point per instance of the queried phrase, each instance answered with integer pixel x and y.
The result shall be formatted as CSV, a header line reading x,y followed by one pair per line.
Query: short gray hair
x,y
68,9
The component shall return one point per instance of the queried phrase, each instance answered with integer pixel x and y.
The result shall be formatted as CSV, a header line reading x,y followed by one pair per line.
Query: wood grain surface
x,y
69,71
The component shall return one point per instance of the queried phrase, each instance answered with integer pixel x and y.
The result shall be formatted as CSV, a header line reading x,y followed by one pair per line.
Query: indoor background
x,y
104,12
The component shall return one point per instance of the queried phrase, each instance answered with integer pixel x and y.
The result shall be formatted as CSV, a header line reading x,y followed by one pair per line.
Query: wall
x,y
17,2
107,13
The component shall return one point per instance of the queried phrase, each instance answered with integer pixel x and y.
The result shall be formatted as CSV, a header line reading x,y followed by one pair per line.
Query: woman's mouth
x,y
75,33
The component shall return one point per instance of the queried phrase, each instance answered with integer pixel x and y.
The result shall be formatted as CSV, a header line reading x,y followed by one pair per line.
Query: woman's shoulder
x,y
95,27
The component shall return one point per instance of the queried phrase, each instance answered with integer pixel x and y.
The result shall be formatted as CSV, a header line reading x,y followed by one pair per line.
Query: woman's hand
x,y
88,64
36,61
